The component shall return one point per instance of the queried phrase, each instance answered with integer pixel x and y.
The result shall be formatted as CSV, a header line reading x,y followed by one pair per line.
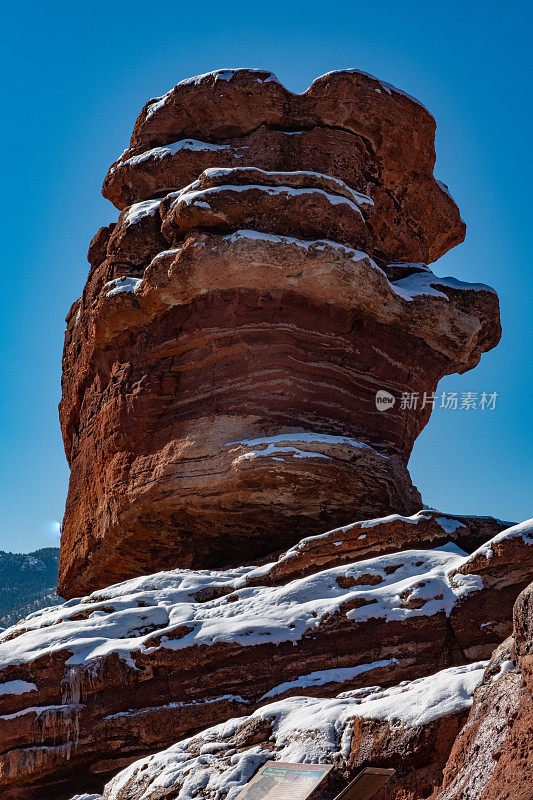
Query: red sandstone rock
x,y
135,667
492,758
265,278
136,238
429,528
220,370
307,213
221,111
251,361
335,152
497,565
410,727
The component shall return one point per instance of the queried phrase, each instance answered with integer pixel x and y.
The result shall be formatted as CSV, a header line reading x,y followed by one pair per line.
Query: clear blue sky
x,y
75,76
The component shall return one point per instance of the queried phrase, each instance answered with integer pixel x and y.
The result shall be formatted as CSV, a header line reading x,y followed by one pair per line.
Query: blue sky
x,y
74,77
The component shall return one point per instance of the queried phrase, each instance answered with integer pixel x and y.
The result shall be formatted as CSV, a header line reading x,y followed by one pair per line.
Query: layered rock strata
x,y
409,727
264,280
103,680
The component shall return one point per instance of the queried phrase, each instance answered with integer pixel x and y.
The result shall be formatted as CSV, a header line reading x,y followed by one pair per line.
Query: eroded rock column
x,y
266,277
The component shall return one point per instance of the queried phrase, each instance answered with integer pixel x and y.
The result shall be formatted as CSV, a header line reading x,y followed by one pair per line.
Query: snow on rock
x,y
88,797
302,437
137,212
218,75
325,676
449,525
190,196
153,659
416,703
217,762
523,531
120,619
504,566
281,451
360,199
304,244
193,145
414,519
385,534
387,87
277,446
17,687
426,283
263,76
119,285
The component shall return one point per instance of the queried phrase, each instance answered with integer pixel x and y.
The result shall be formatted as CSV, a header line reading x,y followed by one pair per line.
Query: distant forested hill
x,y
27,583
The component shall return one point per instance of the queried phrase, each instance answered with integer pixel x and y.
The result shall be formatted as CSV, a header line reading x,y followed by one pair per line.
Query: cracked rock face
x,y
266,277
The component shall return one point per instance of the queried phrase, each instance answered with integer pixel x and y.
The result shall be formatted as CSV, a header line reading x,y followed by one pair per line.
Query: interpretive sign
x,y
279,780
365,784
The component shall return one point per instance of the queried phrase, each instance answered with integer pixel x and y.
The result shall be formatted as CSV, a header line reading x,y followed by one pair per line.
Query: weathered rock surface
x,y
272,397
366,539
221,368
492,758
410,727
133,668
347,124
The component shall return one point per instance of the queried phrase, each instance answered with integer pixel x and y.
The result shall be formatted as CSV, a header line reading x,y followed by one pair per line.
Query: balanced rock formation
x,y
265,284
265,279
88,687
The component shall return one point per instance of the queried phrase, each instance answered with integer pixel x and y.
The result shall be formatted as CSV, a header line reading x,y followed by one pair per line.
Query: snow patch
x,y
416,703
424,283
306,244
190,196
235,698
321,438
88,797
505,666
359,198
175,147
227,74
324,676
271,448
119,285
17,687
449,525
138,211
